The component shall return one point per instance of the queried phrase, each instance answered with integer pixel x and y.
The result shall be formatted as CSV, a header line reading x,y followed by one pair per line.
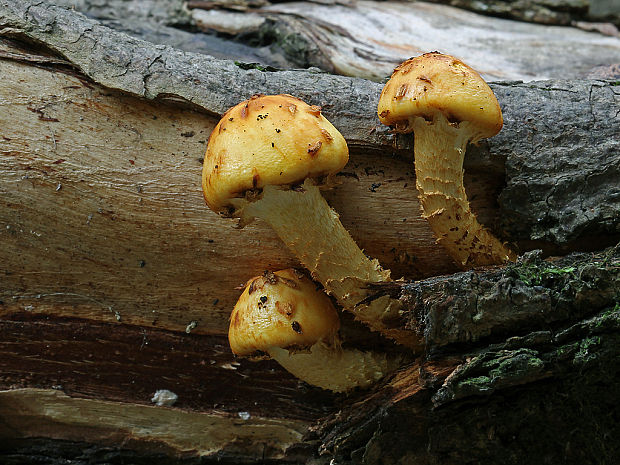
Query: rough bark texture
x,y
545,397
117,282
541,392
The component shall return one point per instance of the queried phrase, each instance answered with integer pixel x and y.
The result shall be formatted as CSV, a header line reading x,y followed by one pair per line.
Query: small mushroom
x,y
285,316
268,158
447,105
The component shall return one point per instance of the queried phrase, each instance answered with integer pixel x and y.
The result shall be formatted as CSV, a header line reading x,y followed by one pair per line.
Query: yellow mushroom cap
x,y
434,82
282,309
269,140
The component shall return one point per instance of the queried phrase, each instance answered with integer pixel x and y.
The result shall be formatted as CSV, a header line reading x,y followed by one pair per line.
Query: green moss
x,y
537,274
589,269
480,382
518,365
588,350
587,343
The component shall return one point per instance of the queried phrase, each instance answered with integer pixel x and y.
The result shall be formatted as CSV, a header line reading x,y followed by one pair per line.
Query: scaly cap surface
x,y
269,140
434,82
282,309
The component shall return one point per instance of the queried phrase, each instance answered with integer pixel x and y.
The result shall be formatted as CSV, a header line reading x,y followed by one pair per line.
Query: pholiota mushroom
x,y
268,158
447,105
285,316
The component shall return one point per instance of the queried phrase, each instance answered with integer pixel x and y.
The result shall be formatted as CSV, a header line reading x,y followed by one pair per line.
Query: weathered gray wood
x,y
170,23
162,12
368,39
197,42
557,12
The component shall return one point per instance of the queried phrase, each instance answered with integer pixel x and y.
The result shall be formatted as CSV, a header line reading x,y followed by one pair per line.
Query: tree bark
x,y
117,281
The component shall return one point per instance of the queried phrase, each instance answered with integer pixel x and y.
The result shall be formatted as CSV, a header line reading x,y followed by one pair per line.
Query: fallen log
x,y
117,281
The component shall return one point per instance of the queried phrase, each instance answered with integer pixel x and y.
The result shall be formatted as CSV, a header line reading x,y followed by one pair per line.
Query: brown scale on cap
x,y
285,309
314,148
315,110
434,83
447,105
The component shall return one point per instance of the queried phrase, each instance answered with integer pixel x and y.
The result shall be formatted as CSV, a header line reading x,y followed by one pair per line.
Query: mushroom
x,y
285,316
447,105
268,158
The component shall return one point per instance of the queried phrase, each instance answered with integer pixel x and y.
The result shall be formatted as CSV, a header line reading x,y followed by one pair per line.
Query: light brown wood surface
x,y
103,217
146,428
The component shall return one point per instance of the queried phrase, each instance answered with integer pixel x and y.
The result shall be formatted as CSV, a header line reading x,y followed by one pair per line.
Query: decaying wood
x,y
147,427
564,12
471,399
551,127
169,22
117,281
467,307
137,185
368,39
545,397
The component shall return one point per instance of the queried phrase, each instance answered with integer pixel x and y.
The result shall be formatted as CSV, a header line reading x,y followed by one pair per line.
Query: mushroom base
x,y
336,369
439,152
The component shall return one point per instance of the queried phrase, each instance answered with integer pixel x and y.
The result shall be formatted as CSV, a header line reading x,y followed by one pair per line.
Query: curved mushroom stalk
x,y
267,158
313,232
439,151
284,315
447,105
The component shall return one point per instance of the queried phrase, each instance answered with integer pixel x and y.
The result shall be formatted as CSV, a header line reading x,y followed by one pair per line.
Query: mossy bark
x,y
543,391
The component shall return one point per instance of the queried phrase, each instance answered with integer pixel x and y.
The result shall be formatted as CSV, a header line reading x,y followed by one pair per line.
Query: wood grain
x,y
368,39
128,364
103,215
51,414
116,281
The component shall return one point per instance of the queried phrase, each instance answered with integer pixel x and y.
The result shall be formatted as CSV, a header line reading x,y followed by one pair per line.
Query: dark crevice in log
x,y
128,364
59,452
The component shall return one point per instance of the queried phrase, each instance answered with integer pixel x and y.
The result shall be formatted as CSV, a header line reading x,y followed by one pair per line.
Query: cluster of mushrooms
x,y
270,156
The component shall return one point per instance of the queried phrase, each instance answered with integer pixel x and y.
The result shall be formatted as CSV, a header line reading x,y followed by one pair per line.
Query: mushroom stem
x,y
439,152
312,231
257,156
334,368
